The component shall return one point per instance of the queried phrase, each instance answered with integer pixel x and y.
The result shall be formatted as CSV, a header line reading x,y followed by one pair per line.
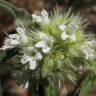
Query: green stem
x,y
8,10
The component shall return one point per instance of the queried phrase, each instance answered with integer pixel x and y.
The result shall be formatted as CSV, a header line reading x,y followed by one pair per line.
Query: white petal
x,y
40,44
38,56
32,64
62,27
36,18
13,36
13,40
44,13
64,36
22,35
5,47
10,42
46,49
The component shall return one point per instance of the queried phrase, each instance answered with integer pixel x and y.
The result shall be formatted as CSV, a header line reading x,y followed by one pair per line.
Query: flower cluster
x,y
33,54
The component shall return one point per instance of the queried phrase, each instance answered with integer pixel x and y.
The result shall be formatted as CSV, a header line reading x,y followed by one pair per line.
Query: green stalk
x,y
8,10
12,11
9,5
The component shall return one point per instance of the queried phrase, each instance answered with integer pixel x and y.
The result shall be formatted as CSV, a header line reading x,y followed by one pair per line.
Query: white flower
x,y
10,42
32,63
43,18
31,56
44,13
64,35
89,52
42,44
46,42
62,27
88,49
15,39
28,59
74,27
92,43
5,47
36,18
38,56
20,30
22,35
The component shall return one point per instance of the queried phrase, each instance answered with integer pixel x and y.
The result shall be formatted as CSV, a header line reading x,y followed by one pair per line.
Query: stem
x,y
0,89
59,85
59,81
